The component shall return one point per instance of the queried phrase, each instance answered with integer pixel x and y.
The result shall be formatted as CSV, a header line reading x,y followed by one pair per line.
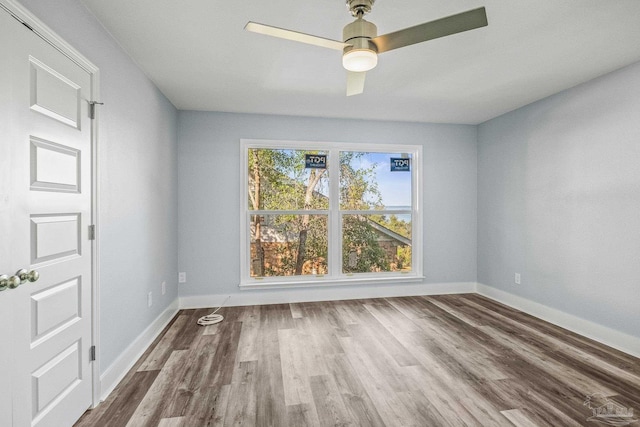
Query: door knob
x,y
9,282
14,282
25,275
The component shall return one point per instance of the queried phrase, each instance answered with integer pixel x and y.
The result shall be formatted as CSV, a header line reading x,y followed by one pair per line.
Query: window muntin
x,y
360,226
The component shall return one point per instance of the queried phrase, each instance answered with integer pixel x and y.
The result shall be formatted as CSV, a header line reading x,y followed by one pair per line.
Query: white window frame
x,y
335,275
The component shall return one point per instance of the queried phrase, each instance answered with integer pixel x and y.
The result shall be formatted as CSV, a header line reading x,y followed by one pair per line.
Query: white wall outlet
x,y
150,299
517,279
182,277
164,287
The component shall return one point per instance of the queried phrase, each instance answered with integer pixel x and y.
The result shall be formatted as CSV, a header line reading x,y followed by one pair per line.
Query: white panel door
x,y
46,149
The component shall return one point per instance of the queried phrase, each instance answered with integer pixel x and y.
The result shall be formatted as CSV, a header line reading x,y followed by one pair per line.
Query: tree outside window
x,y
296,215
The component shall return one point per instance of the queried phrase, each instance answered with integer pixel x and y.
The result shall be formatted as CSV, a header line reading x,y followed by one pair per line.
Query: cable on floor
x,y
213,318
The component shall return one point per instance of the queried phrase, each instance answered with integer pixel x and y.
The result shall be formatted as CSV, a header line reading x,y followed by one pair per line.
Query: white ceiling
x,y
200,57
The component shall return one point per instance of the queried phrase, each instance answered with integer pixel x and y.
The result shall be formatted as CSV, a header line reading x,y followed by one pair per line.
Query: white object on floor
x,y
213,318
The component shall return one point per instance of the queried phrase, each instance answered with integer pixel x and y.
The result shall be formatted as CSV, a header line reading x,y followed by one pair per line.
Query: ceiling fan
x,y
362,44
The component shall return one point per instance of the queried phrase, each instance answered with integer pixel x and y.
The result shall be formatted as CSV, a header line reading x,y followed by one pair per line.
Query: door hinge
x,y
92,353
92,108
92,232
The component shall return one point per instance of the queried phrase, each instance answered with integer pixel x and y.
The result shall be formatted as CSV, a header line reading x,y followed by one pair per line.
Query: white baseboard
x,y
118,369
616,339
283,296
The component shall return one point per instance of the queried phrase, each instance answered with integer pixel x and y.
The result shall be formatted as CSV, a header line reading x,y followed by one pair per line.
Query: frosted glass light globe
x,y
360,60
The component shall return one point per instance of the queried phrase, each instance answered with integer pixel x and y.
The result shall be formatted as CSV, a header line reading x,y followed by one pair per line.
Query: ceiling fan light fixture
x,y
360,60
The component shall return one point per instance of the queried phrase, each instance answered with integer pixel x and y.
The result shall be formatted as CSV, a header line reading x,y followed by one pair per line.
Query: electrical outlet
x,y
517,279
164,288
182,277
150,299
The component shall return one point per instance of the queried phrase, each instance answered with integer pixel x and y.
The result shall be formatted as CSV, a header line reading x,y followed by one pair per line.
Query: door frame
x,y
23,15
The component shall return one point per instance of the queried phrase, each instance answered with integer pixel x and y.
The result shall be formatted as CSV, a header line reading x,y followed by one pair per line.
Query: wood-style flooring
x,y
450,360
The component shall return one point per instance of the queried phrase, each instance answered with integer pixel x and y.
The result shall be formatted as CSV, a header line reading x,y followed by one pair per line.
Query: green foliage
x,y
279,181
284,180
404,258
358,188
394,224
360,242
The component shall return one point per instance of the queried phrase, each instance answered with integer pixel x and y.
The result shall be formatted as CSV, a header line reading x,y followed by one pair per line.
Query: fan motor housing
x,y
359,34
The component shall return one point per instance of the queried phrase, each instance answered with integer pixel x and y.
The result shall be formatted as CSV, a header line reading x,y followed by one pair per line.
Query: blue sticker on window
x,y
400,164
315,161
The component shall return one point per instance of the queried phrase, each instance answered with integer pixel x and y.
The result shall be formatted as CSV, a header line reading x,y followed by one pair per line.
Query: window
x,y
329,213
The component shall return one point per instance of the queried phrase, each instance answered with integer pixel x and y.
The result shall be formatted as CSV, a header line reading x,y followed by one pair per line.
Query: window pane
x,y
288,245
376,243
280,179
368,182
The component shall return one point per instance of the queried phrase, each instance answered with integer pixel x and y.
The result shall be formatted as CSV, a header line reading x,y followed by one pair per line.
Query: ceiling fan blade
x,y
294,35
453,24
355,83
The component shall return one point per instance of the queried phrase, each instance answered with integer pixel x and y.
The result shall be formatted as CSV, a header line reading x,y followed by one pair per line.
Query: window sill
x,y
329,282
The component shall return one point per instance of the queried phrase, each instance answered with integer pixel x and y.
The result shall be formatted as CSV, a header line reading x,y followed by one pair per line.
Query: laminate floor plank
x,y
552,393
242,411
614,356
388,330
149,411
248,342
95,416
171,422
188,332
439,404
457,311
444,360
334,318
165,346
381,381
549,363
374,356
317,343
212,367
518,418
197,364
277,316
354,396
577,354
120,410
270,407
451,395
324,333
472,359
328,402
297,388
211,408
302,415
296,311
412,307
223,362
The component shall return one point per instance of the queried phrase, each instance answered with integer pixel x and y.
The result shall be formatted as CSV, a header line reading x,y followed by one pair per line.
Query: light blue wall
x,y
138,181
209,190
559,201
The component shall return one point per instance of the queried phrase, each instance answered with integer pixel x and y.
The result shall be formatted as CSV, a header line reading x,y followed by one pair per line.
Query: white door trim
x,y
42,30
